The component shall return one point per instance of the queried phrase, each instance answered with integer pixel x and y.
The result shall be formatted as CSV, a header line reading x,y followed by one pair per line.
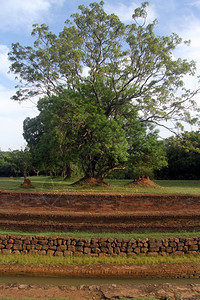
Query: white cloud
x,y
188,28
12,115
125,12
16,14
195,3
4,62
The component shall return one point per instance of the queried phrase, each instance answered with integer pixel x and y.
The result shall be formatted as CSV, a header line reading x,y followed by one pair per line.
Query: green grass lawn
x,y
46,184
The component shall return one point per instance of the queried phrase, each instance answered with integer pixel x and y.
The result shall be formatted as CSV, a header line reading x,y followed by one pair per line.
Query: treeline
x,y
182,155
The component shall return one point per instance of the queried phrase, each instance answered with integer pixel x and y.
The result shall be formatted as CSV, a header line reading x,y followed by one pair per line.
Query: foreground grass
x,y
46,184
29,259
119,235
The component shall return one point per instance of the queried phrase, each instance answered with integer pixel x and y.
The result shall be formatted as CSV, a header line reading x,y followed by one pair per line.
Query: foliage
x,y
183,154
72,125
5,166
114,78
19,162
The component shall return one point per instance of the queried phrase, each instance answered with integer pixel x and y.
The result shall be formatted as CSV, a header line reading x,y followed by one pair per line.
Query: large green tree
x,y
71,126
115,68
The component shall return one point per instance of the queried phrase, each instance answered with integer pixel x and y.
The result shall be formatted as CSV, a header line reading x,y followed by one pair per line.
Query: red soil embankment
x,y
34,211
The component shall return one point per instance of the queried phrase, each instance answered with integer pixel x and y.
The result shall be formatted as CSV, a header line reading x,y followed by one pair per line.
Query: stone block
x,y
87,250
50,252
110,250
52,248
62,248
16,252
123,249
38,247
79,249
104,249
137,250
10,241
79,243
68,253
169,249
94,250
60,242
43,242
18,242
32,251
42,252
122,254
6,251
116,250
59,253
144,250
154,249
193,248
71,248
17,247
78,253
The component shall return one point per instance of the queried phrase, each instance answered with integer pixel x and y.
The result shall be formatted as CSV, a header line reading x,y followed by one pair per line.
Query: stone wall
x,y
68,246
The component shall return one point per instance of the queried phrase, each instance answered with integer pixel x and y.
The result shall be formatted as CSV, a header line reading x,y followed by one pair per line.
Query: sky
x,y
17,17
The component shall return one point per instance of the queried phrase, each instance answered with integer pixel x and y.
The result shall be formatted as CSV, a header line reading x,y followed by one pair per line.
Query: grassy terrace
x,y
46,184
29,259
120,235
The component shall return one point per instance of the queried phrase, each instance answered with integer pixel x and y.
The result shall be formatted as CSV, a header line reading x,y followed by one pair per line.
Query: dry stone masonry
x,y
68,246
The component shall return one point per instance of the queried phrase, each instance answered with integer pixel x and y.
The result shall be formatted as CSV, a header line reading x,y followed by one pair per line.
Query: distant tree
x,y
131,71
5,166
183,155
20,162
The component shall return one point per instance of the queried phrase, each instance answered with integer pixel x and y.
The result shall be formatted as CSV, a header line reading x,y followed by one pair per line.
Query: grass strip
x,y
119,235
29,259
47,184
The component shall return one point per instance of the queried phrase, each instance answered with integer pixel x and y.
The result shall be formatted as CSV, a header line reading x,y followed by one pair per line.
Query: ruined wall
x,y
68,246
83,202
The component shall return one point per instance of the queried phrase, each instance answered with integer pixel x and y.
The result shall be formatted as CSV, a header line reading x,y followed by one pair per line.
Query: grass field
x,y
46,184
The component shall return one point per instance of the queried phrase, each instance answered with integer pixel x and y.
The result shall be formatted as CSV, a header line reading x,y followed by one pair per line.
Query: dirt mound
x,y
90,182
27,183
144,181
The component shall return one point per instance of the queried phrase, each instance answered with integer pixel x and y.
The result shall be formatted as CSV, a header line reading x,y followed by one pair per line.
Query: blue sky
x,y
17,17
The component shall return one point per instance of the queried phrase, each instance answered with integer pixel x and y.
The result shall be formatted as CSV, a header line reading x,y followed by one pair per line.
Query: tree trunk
x,y
69,171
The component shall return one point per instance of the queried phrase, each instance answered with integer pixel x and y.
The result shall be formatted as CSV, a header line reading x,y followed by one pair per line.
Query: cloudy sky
x,y
17,17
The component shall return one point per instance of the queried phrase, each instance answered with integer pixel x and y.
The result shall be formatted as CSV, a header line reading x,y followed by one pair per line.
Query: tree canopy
x,y
109,75
183,156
